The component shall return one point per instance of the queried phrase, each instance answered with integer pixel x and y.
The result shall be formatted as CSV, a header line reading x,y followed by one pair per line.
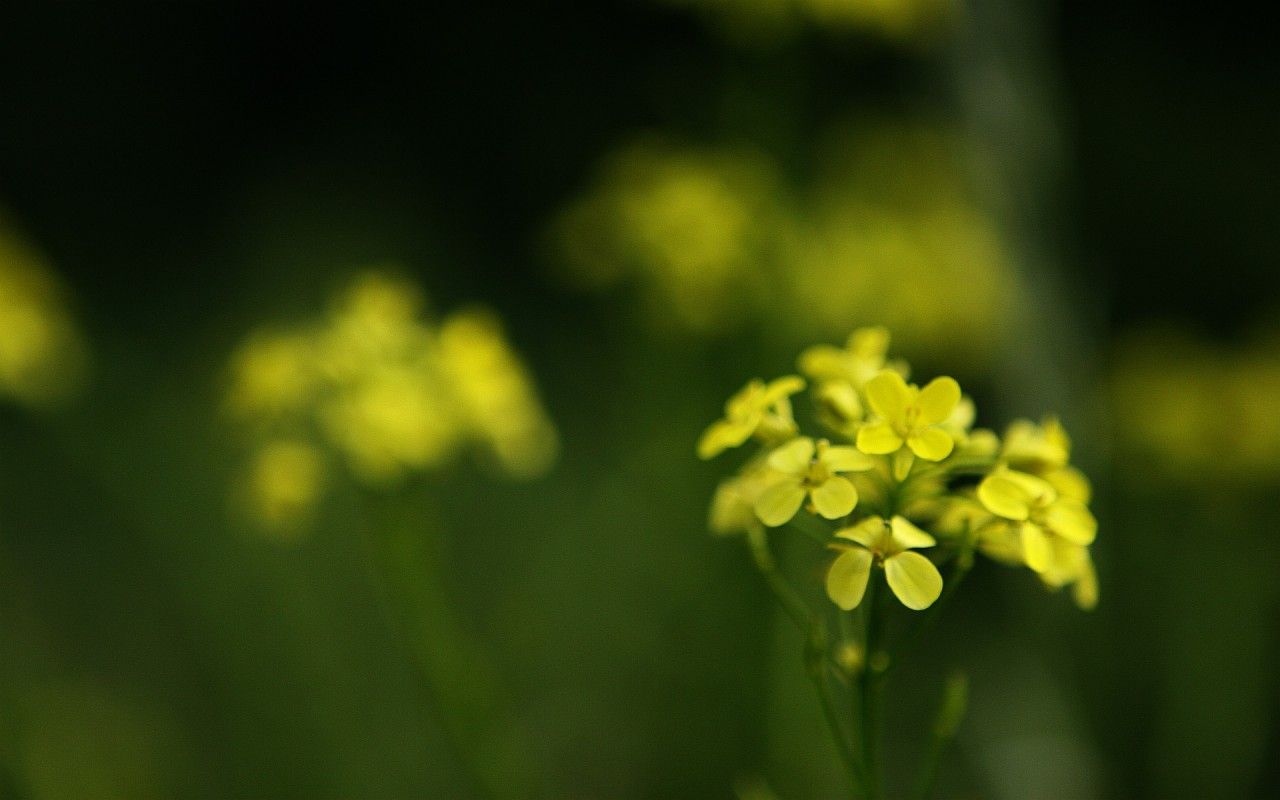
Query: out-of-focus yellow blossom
x,y
285,481
733,506
494,393
1038,512
379,382
1195,411
42,353
758,409
910,420
860,360
392,420
685,227
272,373
803,469
912,577
711,239
1037,449
892,232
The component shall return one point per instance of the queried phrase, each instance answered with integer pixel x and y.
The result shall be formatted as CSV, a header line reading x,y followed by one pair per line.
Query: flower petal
x,y
1085,590
1072,521
888,395
846,459
847,578
878,438
780,502
823,362
908,535
834,498
1036,550
793,457
1004,496
914,579
781,388
931,444
866,533
937,400
721,435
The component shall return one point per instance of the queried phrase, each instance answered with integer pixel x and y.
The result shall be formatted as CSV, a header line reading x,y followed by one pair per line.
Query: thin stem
x,y
817,652
869,690
955,700
924,622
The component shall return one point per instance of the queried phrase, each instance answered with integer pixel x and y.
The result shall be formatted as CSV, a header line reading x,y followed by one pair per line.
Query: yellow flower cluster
x,y
710,239
41,350
902,471
388,389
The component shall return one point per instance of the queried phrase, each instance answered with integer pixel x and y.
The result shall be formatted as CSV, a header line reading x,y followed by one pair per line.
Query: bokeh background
x,y
1069,207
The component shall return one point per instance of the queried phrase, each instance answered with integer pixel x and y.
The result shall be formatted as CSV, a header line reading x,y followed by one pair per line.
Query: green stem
x,y
869,689
955,700
925,621
464,692
817,652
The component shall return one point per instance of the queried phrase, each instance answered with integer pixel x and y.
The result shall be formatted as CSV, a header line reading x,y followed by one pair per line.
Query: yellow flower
x,y
1036,448
860,360
285,482
912,577
1039,512
733,505
911,420
494,393
803,469
272,374
1071,565
758,409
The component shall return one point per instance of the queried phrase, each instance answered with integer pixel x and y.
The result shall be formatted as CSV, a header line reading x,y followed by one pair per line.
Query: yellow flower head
x,y
912,577
911,420
1037,449
860,360
758,409
1039,512
284,483
803,469
733,507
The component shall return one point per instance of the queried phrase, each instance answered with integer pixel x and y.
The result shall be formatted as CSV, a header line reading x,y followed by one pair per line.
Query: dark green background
x,y
193,169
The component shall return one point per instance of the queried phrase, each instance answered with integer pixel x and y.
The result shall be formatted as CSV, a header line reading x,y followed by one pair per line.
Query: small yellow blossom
x,y
1038,512
284,483
1037,449
734,502
42,354
494,394
910,420
860,360
803,469
758,409
912,577
272,374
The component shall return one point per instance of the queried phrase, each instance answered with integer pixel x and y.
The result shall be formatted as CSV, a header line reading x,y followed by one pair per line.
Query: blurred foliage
x,y
1022,190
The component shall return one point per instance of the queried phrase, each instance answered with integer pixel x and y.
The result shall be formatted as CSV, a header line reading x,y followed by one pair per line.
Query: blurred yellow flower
x,y
758,409
684,227
285,481
494,394
272,373
913,578
378,381
803,468
910,420
42,353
